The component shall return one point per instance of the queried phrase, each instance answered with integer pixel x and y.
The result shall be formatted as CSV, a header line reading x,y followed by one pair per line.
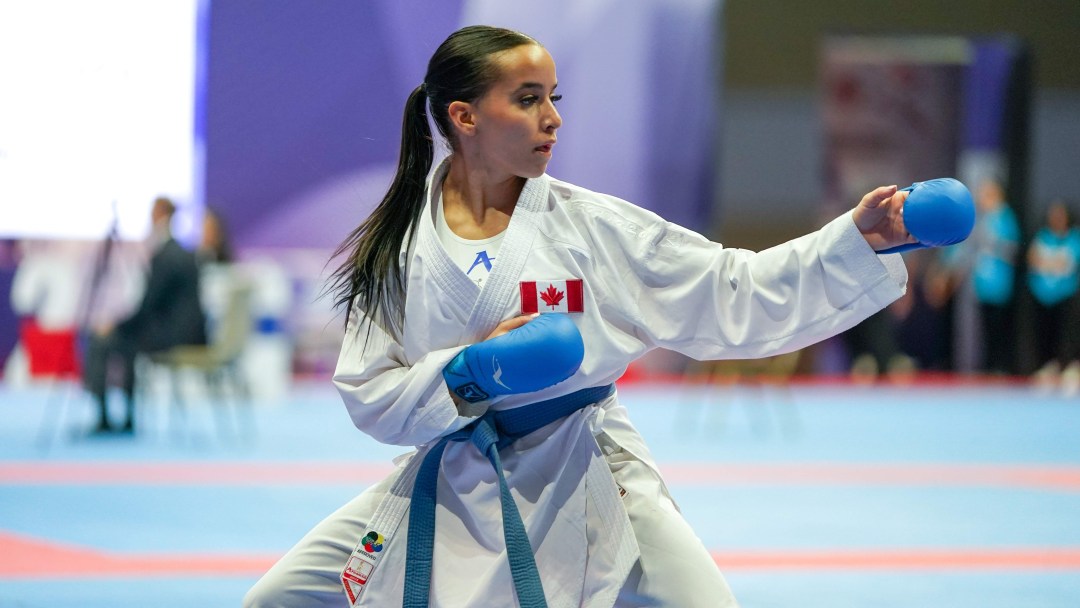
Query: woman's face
x,y
1057,218
211,236
989,196
516,120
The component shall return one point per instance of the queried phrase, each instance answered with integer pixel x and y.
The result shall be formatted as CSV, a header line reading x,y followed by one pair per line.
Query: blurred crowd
x,y
86,311
999,304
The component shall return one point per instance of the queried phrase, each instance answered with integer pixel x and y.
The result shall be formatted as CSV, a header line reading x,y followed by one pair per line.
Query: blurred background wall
x,y
304,107
304,104
299,92
771,155
709,112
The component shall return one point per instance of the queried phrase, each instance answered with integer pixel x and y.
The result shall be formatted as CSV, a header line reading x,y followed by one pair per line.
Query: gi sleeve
x,y
387,398
699,298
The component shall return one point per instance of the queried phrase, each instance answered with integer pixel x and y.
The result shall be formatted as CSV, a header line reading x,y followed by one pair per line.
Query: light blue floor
x,y
778,433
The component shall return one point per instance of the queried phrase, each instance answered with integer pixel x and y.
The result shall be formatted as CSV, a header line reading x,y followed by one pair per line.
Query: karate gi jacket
x,y
645,283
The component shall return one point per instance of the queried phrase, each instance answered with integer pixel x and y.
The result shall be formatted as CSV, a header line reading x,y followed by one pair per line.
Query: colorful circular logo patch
x,y
373,542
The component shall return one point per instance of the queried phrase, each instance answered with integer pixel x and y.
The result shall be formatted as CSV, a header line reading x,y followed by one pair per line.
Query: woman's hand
x,y
529,355
879,217
510,324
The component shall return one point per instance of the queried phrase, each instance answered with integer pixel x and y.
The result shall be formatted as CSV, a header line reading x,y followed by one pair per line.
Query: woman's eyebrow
x,y
533,85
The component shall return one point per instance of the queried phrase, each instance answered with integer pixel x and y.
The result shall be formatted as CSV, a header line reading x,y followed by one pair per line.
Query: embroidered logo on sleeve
x,y
565,295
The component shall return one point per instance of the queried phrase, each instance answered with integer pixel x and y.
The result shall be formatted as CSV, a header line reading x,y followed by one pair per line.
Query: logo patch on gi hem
x,y
373,542
361,564
552,295
355,576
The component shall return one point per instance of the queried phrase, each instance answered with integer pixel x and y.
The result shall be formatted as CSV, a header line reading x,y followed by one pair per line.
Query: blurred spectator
x,y
8,319
170,314
216,272
996,241
1054,278
925,313
875,349
45,294
215,246
913,333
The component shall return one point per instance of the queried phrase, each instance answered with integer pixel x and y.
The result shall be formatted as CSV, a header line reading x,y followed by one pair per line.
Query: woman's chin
x,y
534,171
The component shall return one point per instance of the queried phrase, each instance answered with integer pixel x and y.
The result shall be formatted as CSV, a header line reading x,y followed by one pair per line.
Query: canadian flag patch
x,y
563,295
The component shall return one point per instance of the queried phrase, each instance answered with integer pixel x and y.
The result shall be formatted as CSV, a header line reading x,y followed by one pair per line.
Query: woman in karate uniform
x,y
446,277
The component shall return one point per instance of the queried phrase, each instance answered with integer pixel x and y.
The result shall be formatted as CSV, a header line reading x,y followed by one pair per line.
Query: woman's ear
x,y
462,117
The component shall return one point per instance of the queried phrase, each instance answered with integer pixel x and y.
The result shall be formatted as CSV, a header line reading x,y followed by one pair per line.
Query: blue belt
x,y
490,433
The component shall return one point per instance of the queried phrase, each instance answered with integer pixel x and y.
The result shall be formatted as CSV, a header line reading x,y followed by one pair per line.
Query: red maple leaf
x,y
551,296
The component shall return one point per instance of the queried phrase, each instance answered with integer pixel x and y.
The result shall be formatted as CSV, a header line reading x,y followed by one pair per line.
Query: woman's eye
x,y
533,99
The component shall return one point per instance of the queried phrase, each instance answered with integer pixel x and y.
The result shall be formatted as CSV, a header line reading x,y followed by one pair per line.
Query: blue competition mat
x,y
811,495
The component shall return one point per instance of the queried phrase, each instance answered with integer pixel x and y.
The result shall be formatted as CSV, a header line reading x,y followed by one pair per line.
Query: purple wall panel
x,y
986,84
301,92
641,85
305,99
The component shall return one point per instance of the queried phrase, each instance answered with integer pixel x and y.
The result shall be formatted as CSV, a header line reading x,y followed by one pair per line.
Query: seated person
x,y
169,314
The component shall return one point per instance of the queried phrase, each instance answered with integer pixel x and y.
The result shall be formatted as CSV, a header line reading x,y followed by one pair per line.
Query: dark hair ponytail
x,y
372,270
371,277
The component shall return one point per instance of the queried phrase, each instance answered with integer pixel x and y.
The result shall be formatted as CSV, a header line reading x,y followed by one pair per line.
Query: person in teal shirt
x,y
1054,279
996,240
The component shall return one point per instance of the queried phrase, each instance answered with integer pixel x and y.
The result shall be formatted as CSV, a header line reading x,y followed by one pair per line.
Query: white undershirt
x,y
474,258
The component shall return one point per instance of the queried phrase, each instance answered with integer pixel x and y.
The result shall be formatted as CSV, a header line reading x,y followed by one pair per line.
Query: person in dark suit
x,y
170,314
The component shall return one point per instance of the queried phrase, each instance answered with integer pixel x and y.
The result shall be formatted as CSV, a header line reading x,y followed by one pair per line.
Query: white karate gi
x,y
647,284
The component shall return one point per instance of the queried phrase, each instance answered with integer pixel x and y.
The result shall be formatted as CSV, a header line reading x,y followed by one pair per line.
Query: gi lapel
x,y
451,280
502,284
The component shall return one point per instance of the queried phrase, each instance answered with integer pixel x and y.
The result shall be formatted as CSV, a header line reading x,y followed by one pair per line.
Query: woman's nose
x,y
553,120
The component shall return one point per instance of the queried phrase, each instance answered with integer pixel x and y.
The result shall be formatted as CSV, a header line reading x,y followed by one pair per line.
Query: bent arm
x,y
386,397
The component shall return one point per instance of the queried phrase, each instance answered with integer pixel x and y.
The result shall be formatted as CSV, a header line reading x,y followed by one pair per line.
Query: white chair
x,y
217,362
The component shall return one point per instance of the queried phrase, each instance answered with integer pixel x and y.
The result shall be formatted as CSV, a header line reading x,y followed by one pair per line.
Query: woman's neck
x,y
476,204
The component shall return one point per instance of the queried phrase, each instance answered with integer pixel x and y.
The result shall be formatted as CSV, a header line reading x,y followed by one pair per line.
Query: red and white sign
x,y
355,577
564,295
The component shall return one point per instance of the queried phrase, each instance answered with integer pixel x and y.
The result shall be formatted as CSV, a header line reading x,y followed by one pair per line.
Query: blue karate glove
x,y
539,354
937,213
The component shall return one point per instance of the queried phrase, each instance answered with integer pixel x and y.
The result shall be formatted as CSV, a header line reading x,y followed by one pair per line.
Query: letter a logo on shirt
x,y
481,258
552,296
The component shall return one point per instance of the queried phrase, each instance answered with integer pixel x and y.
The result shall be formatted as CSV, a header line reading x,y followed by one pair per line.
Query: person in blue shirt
x,y
1054,278
996,241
